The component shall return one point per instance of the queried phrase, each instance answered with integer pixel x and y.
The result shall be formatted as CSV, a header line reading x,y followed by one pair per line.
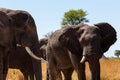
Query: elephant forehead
x,y
91,30
90,36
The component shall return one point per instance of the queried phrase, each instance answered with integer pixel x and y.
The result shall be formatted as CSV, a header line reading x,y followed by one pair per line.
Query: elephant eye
x,y
90,39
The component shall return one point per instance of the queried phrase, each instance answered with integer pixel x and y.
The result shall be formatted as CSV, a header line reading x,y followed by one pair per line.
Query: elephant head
x,y
43,44
90,42
24,31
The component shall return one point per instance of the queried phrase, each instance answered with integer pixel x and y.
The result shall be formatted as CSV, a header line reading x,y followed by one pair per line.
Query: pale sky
x,y
48,14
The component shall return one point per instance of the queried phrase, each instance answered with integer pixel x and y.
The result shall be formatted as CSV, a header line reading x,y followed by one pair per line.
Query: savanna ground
x,y
110,70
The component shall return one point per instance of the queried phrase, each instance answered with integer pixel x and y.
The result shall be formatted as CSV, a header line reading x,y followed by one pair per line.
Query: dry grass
x,y
14,74
110,70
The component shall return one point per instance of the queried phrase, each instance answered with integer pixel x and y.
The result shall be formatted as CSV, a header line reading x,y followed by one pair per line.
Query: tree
x,y
74,17
117,53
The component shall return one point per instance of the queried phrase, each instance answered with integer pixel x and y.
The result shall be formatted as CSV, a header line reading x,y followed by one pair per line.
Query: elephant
x,y
43,44
17,28
23,61
70,47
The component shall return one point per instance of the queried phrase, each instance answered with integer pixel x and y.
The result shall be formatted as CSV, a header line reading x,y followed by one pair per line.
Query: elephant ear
x,y
19,18
69,40
43,41
108,34
4,19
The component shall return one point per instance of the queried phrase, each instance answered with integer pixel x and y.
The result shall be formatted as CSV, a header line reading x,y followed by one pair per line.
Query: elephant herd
x,y
65,50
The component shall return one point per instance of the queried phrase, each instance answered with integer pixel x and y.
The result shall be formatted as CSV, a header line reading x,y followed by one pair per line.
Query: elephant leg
x,y
47,75
94,65
25,73
37,69
5,67
1,65
79,67
5,70
68,73
53,71
26,76
31,74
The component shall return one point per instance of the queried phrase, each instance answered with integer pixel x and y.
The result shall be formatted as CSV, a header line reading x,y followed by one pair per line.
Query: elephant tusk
x,y
83,59
31,54
18,45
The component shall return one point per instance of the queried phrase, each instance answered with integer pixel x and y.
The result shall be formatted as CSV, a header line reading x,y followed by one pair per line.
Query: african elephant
x,y
43,44
23,61
69,48
17,28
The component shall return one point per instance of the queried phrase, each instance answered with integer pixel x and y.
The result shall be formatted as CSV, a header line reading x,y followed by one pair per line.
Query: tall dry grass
x,y
14,74
110,70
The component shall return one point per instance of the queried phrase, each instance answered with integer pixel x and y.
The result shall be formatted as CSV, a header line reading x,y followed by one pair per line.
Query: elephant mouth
x,y
30,52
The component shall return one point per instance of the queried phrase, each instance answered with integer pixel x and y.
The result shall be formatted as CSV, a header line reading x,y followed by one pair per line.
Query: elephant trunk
x,y
89,52
94,66
92,56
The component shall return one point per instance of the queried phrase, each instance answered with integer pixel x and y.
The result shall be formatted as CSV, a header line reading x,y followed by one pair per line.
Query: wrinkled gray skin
x,y
24,62
17,27
67,46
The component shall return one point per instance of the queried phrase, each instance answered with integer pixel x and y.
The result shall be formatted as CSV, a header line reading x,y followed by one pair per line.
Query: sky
x,y
48,14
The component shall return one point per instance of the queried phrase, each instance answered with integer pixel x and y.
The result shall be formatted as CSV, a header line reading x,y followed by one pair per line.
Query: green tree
x,y
74,17
117,53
